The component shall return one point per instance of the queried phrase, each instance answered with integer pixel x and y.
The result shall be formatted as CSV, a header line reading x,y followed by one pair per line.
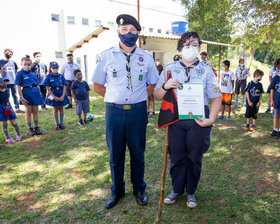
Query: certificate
x,y
190,100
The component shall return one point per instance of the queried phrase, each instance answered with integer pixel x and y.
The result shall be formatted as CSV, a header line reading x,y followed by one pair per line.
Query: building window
x,y
143,28
167,32
71,20
110,24
151,30
84,21
55,17
58,54
159,30
97,23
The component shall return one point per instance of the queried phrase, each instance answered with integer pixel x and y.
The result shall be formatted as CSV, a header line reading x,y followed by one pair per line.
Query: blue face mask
x,y
128,39
242,65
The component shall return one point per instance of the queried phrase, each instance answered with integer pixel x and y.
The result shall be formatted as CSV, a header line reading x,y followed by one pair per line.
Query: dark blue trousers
x,y
187,144
14,94
126,127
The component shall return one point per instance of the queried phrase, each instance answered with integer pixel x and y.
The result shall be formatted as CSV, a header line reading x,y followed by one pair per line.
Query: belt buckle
x,y
8,103
30,86
57,88
126,107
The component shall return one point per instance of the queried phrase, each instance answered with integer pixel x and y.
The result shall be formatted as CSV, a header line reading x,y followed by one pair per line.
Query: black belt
x,y
128,106
30,86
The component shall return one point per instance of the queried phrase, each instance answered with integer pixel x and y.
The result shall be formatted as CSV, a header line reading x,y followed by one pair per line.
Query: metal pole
x,y
219,74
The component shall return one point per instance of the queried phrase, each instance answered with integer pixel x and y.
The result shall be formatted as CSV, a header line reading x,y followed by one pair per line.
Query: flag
x,y
169,108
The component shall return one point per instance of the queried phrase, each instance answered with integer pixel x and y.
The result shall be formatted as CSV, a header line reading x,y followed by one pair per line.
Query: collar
x,y
191,66
136,50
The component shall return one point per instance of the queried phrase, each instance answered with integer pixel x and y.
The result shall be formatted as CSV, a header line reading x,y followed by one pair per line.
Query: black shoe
x,y
278,135
61,126
56,127
85,121
141,198
81,123
148,113
273,133
113,201
267,111
31,131
19,111
44,107
153,114
68,106
38,131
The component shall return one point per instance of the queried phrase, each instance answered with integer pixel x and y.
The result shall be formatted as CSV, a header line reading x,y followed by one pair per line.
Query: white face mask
x,y
189,53
54,70
26,68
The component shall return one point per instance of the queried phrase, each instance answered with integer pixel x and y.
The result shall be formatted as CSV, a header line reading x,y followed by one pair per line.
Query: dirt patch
x,y
34,142
26,198
28,202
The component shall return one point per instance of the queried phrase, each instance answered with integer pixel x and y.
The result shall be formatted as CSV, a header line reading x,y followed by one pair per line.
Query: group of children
x,y
253,93
28,90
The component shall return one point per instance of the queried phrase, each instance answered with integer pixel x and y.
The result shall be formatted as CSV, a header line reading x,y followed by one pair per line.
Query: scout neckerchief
x,y
187,69
128,71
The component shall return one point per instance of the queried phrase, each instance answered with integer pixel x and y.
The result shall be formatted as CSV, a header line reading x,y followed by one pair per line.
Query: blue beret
x,y
54,64
125,19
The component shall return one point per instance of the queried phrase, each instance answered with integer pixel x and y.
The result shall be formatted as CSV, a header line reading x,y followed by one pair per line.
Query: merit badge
x,y
180,86
190,114
141,59
200,71
114,73
140,77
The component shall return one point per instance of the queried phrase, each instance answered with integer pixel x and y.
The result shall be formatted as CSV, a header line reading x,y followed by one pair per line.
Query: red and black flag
x,y
169,108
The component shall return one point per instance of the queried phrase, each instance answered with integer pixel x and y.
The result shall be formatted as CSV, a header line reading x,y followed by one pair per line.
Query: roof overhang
x,y
94,34
177,37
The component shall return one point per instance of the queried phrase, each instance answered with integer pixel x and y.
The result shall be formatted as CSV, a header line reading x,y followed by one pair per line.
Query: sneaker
x,y
81,123
61,126
148,113
19,138
68,106
221,117
278,135
44,107
85,121
56,127
31,131
153,114
171,198
229,118
247,127
273,133
267,111
252,129
10,140
19,111
191,201
38,131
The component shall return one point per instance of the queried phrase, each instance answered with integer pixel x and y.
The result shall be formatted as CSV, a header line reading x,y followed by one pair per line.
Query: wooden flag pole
x,y
166,144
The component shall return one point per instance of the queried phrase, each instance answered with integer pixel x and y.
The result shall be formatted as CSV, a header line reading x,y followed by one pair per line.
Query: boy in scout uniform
x,y
126,69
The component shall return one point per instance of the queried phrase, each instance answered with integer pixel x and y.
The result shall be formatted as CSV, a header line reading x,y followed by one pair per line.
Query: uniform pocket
x,y
139,75
115,75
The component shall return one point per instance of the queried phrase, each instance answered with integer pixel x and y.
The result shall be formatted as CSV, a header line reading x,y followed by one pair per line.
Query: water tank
x,y
179,27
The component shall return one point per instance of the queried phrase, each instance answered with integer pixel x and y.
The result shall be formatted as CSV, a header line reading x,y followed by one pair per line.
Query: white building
x,y
52,27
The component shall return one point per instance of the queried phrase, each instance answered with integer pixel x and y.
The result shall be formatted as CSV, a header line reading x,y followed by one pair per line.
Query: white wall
x,y
26,26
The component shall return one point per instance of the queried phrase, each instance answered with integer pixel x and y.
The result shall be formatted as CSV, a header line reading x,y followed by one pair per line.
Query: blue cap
x,y
125,19
54,64
3,79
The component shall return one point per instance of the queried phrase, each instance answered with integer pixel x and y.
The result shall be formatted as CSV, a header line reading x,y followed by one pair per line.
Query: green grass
x,y
64,176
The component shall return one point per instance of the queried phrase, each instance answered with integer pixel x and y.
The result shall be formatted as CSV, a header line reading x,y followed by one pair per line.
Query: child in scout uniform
x,y
273,72
241,75
226,86
29,92
189,138
7,112
80,92
254,92
57,98
275,103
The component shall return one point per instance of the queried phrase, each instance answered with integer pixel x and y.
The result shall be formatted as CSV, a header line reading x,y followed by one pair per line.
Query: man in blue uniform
x,y
8,70
126,69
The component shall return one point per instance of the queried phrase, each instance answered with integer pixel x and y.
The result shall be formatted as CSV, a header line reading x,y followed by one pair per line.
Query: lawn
x,y
64,176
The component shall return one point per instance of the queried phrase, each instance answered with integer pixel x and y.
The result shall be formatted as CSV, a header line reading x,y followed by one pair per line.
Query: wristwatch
x,y
163,87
